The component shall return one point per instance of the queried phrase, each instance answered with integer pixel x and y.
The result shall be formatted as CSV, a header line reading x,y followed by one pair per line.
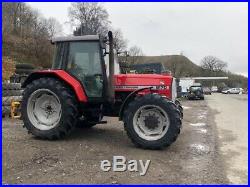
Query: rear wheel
x,y
49,109
152,122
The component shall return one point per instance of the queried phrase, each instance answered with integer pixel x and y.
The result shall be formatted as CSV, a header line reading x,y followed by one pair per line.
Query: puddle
x,y
202,115
200,148
197,124
203,131
186,107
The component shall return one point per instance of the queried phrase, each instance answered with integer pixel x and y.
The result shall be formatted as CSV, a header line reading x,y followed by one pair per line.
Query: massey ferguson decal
x,y
135,87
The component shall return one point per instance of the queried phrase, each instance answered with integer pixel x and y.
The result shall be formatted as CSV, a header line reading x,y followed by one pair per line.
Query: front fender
x,y
63,76
128,98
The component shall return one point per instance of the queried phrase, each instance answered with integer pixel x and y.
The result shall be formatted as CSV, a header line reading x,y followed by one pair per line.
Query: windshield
x,y
58,56
194,88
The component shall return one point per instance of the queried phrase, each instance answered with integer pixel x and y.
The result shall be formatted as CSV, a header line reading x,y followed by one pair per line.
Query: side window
x,y
84,62
58,56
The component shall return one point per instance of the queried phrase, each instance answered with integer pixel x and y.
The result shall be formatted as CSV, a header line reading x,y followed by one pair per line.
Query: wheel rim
x,y
44,109
151,122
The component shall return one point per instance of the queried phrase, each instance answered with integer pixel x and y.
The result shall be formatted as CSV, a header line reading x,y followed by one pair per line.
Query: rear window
x,y
194,88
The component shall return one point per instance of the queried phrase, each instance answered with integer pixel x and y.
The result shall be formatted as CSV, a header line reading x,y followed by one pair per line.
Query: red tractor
x,y
84,85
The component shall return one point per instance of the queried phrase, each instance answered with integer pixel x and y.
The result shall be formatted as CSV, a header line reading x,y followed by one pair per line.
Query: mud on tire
x,y
167,106
69,109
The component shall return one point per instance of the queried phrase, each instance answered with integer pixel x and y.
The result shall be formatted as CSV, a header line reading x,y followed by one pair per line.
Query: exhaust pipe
x,y
111,90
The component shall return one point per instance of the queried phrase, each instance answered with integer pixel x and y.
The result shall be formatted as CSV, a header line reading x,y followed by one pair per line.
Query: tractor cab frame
x,y
83,58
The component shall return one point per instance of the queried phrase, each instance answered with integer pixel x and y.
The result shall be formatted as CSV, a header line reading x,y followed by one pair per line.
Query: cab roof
x,y
76,38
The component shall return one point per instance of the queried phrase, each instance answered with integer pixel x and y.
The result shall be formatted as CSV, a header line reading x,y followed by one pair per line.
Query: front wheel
x,y
152,122
178,104
49,109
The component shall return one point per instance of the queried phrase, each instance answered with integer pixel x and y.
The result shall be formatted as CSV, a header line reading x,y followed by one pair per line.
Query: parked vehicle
x,y
195,92
245,91
185,84
232,91
207,91
214,89
224,90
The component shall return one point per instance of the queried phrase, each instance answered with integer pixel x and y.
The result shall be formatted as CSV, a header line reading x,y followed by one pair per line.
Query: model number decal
x,y
159,87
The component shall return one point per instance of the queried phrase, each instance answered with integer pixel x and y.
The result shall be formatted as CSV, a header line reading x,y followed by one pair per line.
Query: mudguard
x,y
128,98
63,76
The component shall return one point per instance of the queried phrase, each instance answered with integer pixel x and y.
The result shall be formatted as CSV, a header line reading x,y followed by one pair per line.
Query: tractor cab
x,y
83,58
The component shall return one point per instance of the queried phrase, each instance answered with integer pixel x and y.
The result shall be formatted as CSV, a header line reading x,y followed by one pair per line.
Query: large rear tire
x,y
49,109
152,122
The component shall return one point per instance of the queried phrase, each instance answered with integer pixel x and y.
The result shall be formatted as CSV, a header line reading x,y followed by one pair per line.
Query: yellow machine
x,y
15,109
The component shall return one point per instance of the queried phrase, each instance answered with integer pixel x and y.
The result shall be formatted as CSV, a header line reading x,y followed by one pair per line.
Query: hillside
x,y
181,66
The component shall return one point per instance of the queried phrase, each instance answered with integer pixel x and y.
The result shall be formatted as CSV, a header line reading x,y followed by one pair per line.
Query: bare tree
x,y
90,18
11,16
213,64
54,27
26,34
135,54
120,44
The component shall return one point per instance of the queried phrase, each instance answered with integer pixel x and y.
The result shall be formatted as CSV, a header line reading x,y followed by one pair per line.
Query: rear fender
x,y
129,98
63,76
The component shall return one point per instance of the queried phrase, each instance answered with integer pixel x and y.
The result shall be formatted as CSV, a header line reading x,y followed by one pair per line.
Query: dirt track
x,y
194,158
231,120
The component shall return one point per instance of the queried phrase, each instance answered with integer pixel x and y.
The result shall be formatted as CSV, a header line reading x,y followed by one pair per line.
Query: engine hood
x,y
142,80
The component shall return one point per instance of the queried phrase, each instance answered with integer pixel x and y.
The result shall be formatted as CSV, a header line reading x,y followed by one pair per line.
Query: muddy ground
x,y
195,158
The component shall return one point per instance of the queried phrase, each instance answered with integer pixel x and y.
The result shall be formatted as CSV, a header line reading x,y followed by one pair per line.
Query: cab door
x,y
84,61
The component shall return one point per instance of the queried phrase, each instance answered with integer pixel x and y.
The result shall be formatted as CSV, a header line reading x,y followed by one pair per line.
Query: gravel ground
x,y
195,158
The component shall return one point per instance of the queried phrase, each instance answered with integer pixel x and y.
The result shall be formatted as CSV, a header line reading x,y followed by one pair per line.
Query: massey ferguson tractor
x,y
84,85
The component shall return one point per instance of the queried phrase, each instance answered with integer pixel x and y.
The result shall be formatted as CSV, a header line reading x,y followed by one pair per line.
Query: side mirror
x,y
105,52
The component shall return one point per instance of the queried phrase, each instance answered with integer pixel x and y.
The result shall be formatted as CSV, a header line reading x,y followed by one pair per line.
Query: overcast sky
x,y
195,29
